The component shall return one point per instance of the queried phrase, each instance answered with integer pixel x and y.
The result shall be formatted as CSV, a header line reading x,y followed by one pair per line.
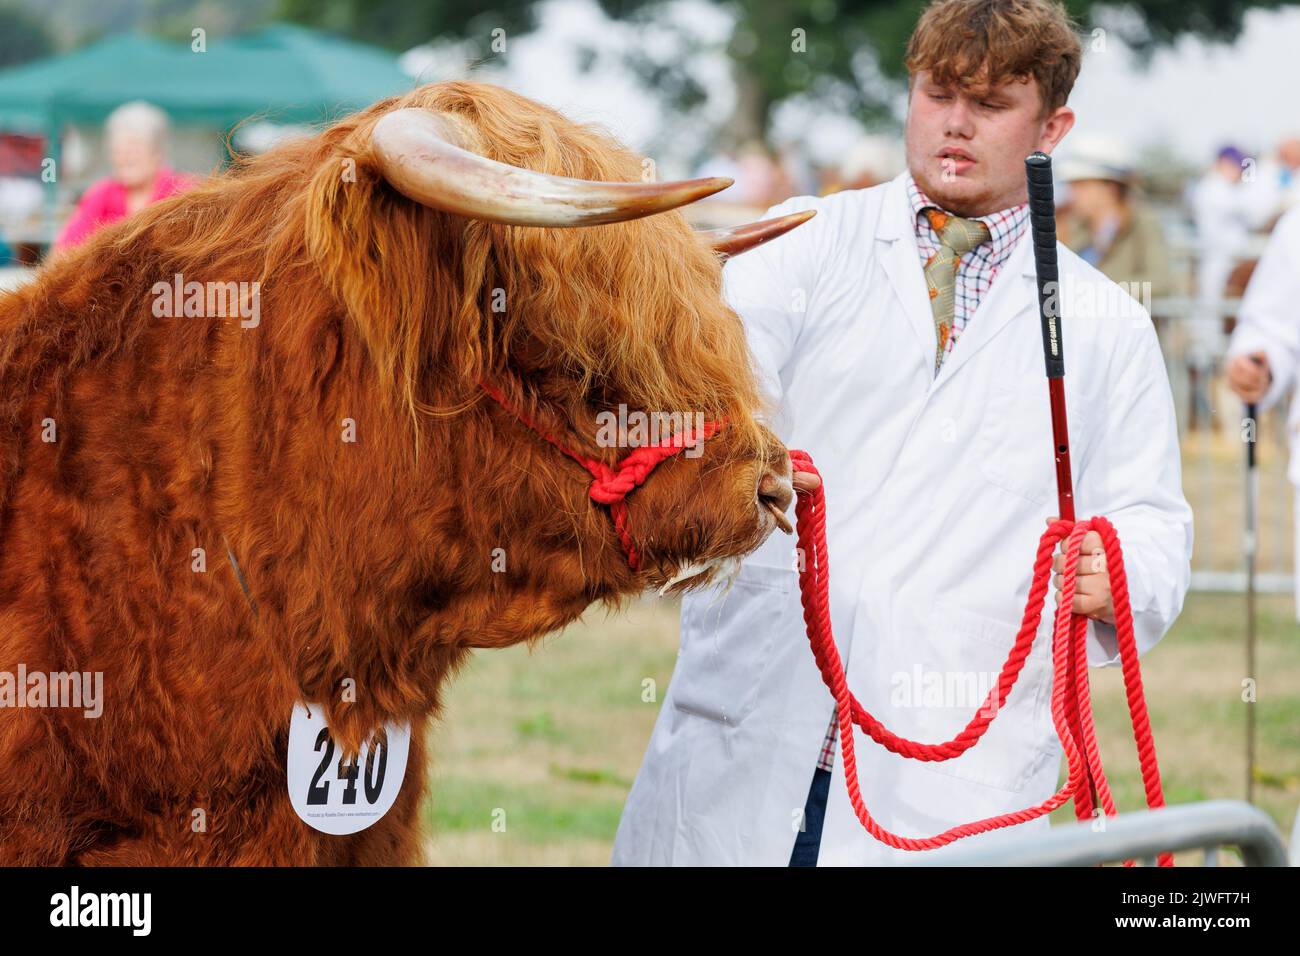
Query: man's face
x,y
1229,169
1094,198
966,150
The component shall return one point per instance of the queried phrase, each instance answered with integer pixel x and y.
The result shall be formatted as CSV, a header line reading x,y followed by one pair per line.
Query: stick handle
x,y
1042,225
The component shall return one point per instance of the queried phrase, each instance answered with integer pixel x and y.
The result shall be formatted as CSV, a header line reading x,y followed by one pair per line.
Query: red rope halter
x,y
611,484
1071,702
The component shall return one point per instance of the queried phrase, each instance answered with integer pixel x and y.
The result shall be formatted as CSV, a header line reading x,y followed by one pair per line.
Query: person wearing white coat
x,y
938,489
1268,328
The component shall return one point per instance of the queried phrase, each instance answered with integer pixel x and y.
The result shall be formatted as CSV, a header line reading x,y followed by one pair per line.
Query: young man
x,y
899,333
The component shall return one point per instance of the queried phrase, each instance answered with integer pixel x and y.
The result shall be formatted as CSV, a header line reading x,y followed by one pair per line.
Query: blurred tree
x,y
23,37
400,24
779,48
782,48
73,23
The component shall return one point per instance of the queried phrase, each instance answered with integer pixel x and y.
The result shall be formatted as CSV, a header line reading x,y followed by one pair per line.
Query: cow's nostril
x,y
775,493
776,489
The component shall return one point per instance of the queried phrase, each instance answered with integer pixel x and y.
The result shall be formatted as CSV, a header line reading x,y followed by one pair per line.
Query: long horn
x,y
737,239
419,157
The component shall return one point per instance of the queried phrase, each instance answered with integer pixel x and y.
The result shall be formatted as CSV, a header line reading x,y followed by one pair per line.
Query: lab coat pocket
x,y
1015,444
726,641
960,657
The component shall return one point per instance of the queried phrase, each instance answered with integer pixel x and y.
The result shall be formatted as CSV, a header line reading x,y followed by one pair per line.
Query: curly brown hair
x,y
971,44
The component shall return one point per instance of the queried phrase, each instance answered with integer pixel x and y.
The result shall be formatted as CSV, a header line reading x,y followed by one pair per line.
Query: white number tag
x,y
339,796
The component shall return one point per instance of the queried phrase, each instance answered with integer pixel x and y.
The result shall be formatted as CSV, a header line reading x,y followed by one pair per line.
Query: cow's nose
x,y
774,495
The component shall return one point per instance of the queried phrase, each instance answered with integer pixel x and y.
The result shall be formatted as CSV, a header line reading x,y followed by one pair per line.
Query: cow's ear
x,y
375,251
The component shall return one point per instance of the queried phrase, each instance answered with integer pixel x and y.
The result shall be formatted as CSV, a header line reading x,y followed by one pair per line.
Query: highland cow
x,y
226,517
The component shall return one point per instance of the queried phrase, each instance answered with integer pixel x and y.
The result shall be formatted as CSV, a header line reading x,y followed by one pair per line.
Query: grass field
x,y
548,741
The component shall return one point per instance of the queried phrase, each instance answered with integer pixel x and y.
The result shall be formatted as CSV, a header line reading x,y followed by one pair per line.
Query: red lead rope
x,y
1071,703
611,484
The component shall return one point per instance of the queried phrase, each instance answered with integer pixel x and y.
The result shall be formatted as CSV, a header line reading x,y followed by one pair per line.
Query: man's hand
x,y
1092,583
806,481
1249,376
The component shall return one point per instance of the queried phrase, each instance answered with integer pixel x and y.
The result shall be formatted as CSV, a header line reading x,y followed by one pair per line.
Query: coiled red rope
x,y
1071,702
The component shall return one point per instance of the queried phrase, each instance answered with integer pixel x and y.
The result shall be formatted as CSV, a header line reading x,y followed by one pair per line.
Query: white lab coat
x,y
938,490
1224,214
1269,321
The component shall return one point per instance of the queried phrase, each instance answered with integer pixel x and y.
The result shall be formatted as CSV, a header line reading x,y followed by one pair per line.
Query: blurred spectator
x,y
760,181
1223,217
1275,187
137,140
1288,173
1264,354
1112,227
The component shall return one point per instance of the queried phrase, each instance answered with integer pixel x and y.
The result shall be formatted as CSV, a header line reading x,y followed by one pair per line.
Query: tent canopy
x,y
284,74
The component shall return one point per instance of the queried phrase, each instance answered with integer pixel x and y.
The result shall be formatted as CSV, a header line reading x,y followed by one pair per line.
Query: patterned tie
x,y
956,237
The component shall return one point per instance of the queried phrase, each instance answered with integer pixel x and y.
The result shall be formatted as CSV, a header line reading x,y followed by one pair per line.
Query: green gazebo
x,y
281,74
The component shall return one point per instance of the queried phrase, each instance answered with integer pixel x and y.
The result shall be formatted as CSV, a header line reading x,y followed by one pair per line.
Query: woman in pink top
x,y
137,145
